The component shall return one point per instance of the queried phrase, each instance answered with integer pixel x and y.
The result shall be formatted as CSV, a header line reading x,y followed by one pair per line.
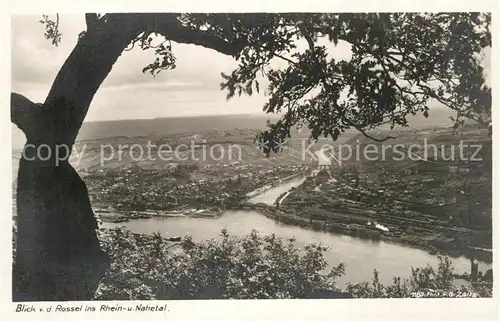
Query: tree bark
x,y
58,256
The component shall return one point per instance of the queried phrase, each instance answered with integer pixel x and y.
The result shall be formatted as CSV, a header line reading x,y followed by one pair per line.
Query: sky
x,y
191,89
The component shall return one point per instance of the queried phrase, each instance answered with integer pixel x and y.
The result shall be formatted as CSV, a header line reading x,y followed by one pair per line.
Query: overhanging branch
x,y
171,28
24,113
364,133
306,34
91,19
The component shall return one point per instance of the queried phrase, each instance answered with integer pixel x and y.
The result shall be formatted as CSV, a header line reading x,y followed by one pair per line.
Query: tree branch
x,y
171,28
91,19
24,114
285,58
303,30
95,53
83,72
373,138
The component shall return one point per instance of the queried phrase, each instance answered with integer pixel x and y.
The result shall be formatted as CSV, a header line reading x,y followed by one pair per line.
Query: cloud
x,y
35,59
111,104
158,85
126,92
191,88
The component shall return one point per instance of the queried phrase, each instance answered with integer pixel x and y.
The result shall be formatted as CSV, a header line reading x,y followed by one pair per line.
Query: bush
x,y
252,267
423,283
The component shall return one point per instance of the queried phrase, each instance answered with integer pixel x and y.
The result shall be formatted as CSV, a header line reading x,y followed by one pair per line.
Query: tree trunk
x,y
58,255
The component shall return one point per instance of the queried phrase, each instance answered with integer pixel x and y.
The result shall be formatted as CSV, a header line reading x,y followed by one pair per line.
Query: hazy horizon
x,y
191,89
98,129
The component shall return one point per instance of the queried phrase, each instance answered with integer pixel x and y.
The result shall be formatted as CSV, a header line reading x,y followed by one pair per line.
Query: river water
x,y
360,256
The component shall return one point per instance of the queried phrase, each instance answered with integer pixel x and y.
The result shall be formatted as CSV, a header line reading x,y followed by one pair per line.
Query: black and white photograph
x,y
170,156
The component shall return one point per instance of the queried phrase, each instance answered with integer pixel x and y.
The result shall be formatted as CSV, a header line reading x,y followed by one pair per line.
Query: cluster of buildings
x,y
221,185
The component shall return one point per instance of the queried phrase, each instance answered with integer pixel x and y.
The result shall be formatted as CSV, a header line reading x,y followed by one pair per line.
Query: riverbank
x,y
370,234
348,218
359,258
287,218
266,188
199,199
114,216
317,203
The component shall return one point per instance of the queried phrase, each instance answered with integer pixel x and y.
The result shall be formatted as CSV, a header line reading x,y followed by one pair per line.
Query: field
x,y
424,198
438,196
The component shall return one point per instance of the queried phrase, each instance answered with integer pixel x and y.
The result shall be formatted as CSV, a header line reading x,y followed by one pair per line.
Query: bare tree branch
x,y
91,19
306,34
24,113
373,138
170,27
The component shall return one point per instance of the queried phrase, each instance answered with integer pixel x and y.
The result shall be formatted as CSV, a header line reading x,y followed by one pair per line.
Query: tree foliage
x,y
252,267
400,62
249,267
52,29
424,282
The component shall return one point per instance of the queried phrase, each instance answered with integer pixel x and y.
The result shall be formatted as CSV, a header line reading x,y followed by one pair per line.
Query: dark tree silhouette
x,y
399,63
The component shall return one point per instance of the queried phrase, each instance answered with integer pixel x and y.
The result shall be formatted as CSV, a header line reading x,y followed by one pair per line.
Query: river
x,y
360,256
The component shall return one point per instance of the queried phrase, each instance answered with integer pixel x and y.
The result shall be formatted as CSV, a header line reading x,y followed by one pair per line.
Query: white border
x,y
361,309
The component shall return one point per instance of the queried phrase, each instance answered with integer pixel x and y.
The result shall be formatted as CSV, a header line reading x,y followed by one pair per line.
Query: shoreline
x,y
355,230
263,189
117,216
478,254
276,215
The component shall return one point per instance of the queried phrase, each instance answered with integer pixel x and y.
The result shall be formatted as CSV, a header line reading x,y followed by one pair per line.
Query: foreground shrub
x,y
424,282
252,267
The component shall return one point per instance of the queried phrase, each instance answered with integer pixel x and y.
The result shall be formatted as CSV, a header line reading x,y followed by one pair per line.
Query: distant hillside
x,y
159,127
438,117
162,126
